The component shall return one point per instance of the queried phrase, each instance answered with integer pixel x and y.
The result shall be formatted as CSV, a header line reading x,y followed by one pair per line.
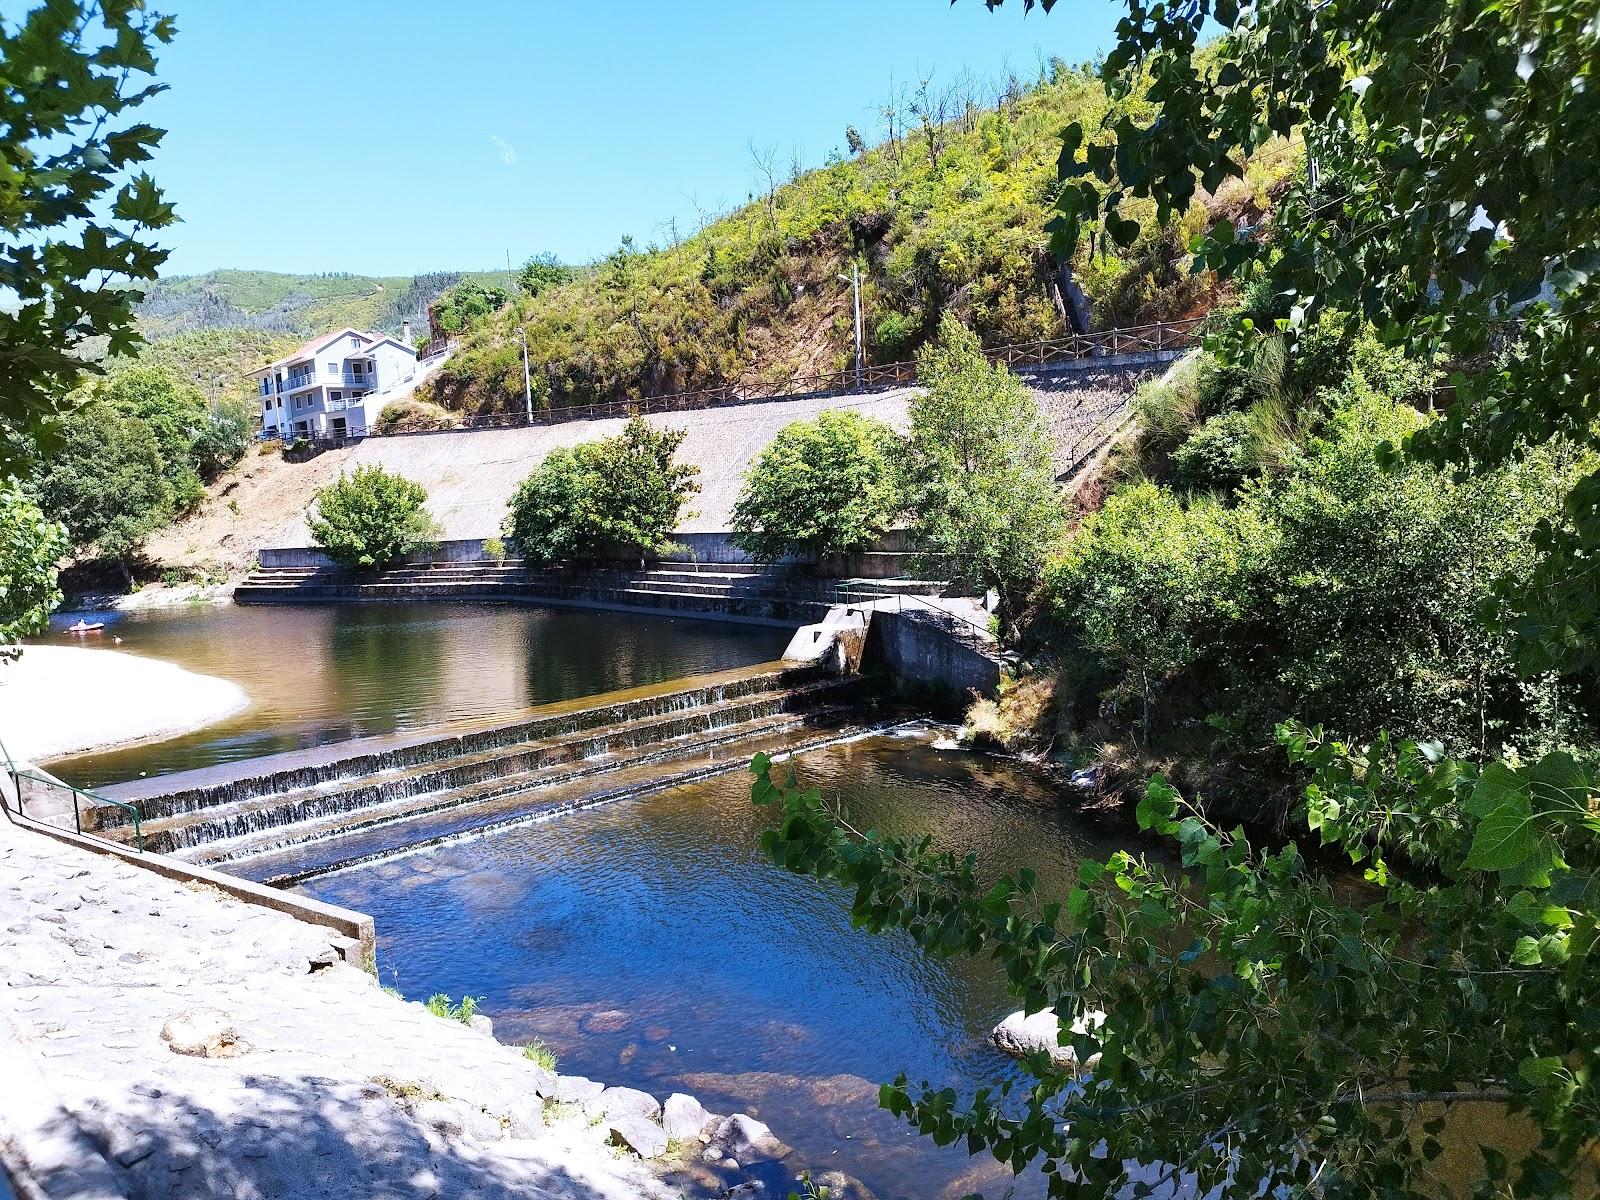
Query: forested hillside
x,y
946,213
297,305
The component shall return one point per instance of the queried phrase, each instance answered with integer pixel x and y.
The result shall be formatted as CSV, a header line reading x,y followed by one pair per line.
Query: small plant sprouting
x,y
440,1005
540,1055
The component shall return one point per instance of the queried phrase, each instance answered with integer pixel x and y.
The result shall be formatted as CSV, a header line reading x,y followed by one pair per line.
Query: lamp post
x,y
527,375
854,280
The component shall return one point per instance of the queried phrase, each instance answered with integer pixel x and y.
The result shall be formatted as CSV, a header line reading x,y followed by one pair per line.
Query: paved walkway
x,y
330,1088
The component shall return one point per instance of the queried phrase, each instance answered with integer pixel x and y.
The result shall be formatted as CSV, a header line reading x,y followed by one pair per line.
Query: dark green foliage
x,y
224,436
30,547
1217,455
619,494
1261,1035
74,222
466,304
825,486
978,484
107,483
543,271
175,413
371,518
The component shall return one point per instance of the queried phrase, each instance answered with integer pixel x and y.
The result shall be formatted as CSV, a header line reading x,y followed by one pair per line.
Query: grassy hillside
x,y
296,305
948,213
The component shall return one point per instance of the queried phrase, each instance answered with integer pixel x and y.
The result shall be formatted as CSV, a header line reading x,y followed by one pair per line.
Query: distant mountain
x,y
297,306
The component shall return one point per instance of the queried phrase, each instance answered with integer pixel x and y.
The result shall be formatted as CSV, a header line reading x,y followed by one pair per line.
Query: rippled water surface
x,y
317,674
716,972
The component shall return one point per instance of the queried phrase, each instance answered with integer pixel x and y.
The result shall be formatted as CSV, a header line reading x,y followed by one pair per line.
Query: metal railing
x,y
50,799
968,632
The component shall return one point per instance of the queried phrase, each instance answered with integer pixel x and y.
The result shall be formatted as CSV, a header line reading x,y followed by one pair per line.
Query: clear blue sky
x,y
403,137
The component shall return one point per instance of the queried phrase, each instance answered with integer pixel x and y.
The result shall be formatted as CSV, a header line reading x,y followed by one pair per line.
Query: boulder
x,y
624,1101
639,1134
746,1140
482,1024
1020,1035
843,1187
574,1089
440,1116
683,1117
203,1033
526,1117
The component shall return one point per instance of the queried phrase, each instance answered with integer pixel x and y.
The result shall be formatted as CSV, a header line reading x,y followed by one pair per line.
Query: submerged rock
x,y
1021,1034
610,1020
746,1140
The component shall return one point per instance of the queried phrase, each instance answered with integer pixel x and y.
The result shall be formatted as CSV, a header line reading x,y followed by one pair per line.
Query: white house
x,y
334,385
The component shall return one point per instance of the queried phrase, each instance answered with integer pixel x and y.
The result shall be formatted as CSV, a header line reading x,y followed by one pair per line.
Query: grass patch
x,y
440,1005
540,1055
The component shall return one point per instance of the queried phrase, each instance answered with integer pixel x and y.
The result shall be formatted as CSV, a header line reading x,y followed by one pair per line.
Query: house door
x,y
336,427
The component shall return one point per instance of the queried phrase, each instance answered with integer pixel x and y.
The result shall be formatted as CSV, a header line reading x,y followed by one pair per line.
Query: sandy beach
x,y
60,700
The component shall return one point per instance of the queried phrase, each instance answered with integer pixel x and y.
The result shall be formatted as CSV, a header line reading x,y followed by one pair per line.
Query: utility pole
x,y
527,375
854,280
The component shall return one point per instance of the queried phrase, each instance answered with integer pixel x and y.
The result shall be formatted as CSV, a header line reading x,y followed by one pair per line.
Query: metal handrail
x,y
979,638
18,774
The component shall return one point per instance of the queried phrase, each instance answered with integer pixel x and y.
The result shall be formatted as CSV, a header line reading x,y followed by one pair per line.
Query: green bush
x,y
224,436
371,518
619,493
1217,456
825,486
494,549
30,547
414,416
894,334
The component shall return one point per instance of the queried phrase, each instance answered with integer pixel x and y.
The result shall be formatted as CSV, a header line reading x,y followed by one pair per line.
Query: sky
x,y
397,138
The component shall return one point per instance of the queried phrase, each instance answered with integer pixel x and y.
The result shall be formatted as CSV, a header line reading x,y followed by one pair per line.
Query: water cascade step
x,y
750,592
285,816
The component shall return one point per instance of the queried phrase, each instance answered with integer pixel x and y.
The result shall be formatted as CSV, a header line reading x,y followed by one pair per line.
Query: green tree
x,y
619,493
370,518
542,271
224,436
75,221
30,548
979,486
107,483
824,486
467,303
175,413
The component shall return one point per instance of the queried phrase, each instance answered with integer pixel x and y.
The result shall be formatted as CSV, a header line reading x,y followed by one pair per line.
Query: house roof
x,y
316,344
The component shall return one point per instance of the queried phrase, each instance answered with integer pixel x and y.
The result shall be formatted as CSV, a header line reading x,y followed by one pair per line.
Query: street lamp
x,y
854,280
527,375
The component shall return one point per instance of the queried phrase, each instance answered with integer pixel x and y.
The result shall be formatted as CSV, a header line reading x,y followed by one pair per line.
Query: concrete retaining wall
x,y
918,652
885,560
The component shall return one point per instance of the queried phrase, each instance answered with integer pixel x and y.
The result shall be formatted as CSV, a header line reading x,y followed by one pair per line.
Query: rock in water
x,y
203,1033
683,1117
644,1137
746,1140
610,1020
1020,1035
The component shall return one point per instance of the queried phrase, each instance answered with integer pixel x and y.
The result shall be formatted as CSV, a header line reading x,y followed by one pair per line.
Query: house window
x,y
335,395
355,342
357,368
333,368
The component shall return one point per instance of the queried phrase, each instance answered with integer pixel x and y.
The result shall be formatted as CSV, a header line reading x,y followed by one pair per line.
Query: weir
x,y
289,816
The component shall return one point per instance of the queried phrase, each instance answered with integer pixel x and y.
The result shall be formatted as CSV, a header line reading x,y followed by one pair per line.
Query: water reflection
x,y
318,674
651,944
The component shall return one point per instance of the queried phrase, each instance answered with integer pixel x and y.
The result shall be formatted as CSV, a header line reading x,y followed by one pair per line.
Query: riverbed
x,y
651,944
316,674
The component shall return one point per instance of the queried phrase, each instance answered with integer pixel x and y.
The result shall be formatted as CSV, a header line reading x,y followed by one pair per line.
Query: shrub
x,y
894,334
623,492
371,518
825,486
1217,456
494,549
224,437
978,480
30,547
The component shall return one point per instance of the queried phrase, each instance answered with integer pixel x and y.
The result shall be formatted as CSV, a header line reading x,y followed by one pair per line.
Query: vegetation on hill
x,y
945,215
299,306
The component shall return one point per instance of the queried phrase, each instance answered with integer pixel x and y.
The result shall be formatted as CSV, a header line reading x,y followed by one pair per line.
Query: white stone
x,y
683,1117
203,1033
1022,1034
574,1089
644,1137
746,1139
624,1101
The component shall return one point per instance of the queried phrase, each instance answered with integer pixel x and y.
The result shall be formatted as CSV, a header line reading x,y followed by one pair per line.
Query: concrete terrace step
x,y
295,863
567,782
489,771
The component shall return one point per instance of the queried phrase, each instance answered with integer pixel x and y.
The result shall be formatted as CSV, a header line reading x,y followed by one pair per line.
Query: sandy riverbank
x,y
59,700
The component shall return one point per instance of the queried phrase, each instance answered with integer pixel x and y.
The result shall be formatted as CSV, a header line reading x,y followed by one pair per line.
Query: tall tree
x,y
30,546
74,220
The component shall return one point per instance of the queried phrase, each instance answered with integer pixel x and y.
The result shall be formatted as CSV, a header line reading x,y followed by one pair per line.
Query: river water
x,y
324,673
651,944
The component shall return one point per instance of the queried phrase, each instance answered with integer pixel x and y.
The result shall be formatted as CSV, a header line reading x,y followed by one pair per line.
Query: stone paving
x,y
319,1084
